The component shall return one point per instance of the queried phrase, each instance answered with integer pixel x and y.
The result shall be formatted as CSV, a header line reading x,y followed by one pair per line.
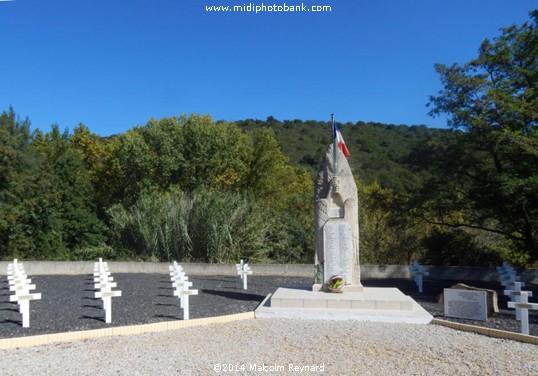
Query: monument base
x,y
370,304
347,288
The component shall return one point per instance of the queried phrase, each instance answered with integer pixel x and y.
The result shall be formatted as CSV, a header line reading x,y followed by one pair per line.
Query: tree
x,y
19,167
187,152
492,104
66,214
45,194
389,233
268,169
96,154
216,154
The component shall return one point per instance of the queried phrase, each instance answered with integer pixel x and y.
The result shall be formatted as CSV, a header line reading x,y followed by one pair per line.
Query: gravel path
x,y
245,347
335,347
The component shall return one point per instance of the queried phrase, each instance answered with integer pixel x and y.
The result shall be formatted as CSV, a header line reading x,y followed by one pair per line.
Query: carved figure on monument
x,y
336,223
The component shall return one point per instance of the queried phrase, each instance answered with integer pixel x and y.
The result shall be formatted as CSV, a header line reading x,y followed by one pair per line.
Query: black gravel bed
x,y
68,302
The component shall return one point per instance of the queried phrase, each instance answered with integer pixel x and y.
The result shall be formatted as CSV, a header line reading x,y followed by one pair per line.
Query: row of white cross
x,y
243,270
181,283
104,281
21,286
417,273
519,299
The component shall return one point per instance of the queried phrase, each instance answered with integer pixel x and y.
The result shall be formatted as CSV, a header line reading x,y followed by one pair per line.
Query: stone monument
x,y
337,255
336,224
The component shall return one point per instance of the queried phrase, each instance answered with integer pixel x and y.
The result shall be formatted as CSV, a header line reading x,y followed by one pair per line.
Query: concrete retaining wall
x,y
459,273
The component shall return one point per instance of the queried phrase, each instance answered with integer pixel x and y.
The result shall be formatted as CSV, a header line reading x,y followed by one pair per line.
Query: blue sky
x,y
115,64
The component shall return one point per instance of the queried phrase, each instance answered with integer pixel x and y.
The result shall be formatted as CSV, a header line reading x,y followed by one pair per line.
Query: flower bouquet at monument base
x,y
336,284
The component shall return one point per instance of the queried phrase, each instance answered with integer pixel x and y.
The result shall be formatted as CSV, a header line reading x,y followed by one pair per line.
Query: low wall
x,y
456,273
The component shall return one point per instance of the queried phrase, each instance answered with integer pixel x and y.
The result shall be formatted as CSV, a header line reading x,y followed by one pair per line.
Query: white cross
x,y
515,296
509,278
181,284
21,286
504,265
184,296
105,287
18,280
524,306
14,268
104,282
418,272
24,306
177,276
243,270
505,268
107,302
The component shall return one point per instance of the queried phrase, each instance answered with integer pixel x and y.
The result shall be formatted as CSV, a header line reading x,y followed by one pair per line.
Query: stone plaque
x,y
466,304
337,246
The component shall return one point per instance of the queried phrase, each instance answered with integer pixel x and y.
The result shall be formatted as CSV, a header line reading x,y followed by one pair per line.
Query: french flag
x,y
340,140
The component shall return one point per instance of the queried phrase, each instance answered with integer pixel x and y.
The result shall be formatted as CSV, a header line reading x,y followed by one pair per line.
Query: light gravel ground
x,y
335,347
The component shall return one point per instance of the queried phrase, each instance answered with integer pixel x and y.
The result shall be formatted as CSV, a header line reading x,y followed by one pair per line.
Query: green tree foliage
x,y
189,152
379,152
18,168
455,247
269,168
46,210
193,153
490,174
58,188
389,233
65,200
96,154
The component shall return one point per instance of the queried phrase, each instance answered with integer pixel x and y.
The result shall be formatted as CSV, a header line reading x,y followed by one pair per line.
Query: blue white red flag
x,y
340,140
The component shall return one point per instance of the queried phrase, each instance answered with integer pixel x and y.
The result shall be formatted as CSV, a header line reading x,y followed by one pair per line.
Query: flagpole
x,y
335,146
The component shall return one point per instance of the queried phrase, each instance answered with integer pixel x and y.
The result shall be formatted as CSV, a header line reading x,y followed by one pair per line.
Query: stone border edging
x,y
45,339
496,333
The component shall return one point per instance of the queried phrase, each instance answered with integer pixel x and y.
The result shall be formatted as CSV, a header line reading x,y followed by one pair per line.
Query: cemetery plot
x,y
21,286
104,282
69,302
243,270
181,284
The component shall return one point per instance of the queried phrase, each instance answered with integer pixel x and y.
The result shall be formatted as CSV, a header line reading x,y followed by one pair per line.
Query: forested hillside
x,y
192,189
379,152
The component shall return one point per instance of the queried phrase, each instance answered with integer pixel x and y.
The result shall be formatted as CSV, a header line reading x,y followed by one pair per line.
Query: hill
x,y
379,152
